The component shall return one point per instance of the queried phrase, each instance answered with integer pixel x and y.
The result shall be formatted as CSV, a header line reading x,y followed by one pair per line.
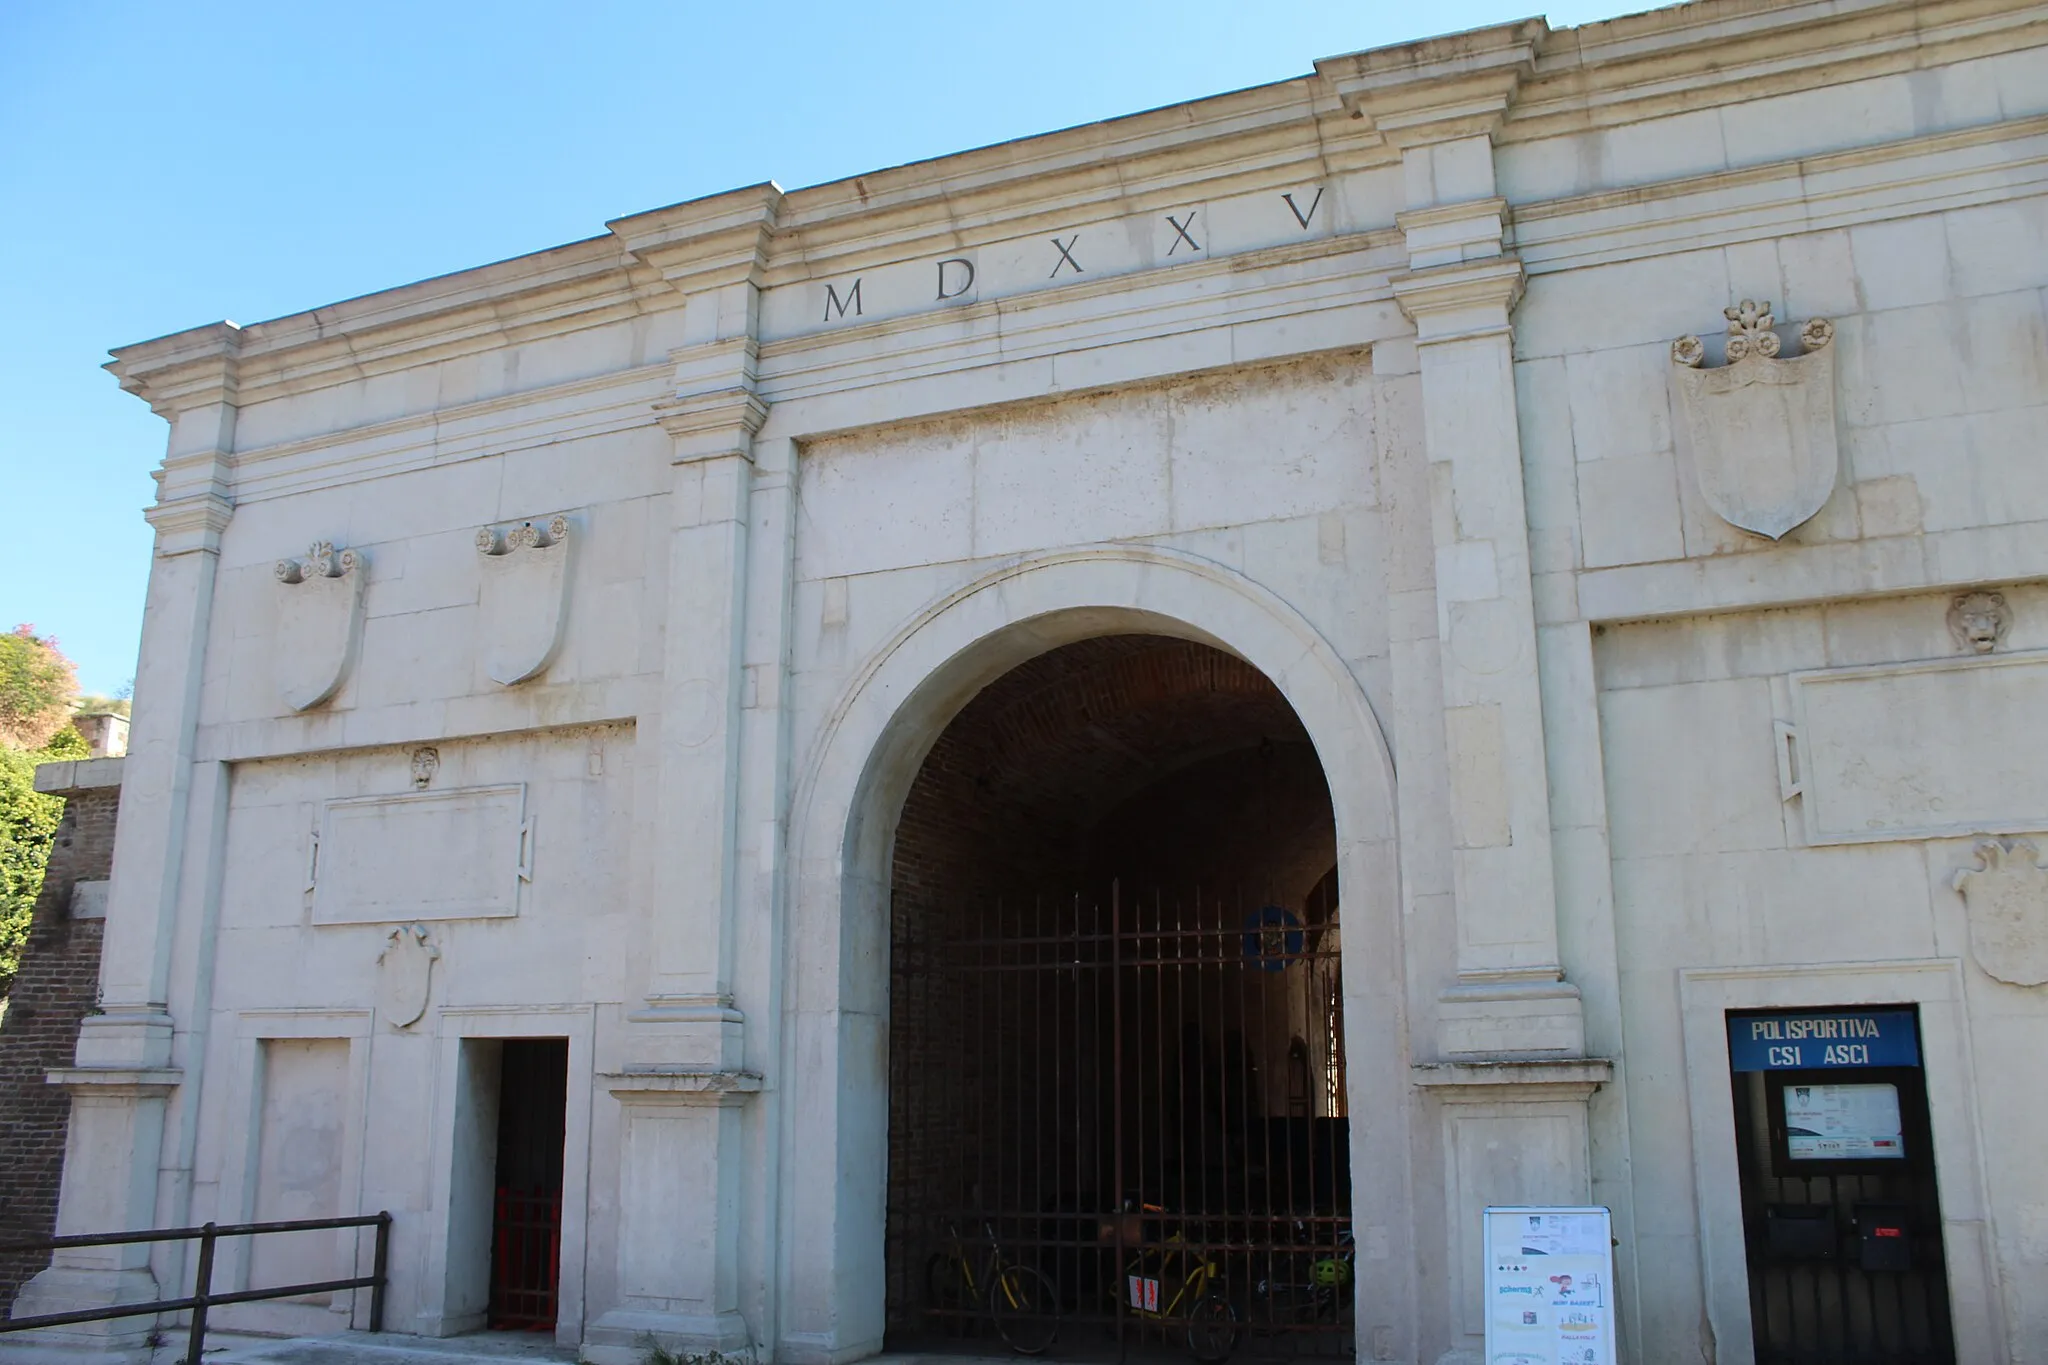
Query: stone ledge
x,y
1585,1074
111,1080
682,1084
77,775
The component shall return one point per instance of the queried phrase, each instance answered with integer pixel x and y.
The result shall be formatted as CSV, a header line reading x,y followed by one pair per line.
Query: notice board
x,y
1549,1286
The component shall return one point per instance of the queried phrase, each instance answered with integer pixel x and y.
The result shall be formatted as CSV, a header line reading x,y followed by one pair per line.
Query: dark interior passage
x,y
526,1220
1116,1015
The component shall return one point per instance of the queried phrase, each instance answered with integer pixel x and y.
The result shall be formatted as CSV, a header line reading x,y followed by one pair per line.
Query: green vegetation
x,y
38,686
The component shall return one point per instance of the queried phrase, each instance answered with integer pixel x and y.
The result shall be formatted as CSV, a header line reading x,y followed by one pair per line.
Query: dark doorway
x,y
526,1221
1841,1214
1116,1017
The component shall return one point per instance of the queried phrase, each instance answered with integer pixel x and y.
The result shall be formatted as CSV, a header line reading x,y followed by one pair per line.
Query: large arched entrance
x,y
832,1115
1116,1015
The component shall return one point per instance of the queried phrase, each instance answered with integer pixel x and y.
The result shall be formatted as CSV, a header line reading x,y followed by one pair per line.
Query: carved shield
x,y
2007,896
319,623
405,975
525,597
1762,428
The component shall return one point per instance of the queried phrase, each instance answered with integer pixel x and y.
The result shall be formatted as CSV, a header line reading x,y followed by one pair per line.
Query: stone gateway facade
x,y
1469,629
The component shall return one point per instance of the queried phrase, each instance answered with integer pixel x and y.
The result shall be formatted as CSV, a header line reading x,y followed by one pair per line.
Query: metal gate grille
x,y
1812,1300
526,1223
1140,1100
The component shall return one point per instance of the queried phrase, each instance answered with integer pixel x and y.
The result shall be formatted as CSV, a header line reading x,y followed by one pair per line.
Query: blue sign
x,y
1823,1042
1275,937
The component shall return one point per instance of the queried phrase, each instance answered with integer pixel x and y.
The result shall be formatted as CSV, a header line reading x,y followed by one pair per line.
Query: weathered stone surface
x,y
1639,692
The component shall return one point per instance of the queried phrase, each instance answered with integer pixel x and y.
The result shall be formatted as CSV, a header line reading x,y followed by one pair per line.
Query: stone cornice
x,y
183,371
1724,52
710,425
1440,88
1457,302
188,524
118,1082
565,289
705,243
1450,233
1516,81
70,776
715,410
707,1085
1566,1078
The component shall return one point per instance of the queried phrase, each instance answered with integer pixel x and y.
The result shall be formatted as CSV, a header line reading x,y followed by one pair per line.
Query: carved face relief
x,y
1979,620
2007,897
426,761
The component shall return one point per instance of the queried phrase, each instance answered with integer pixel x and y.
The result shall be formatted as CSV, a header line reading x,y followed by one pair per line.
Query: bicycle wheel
x,y
1212,1328
1026,1308
945,1294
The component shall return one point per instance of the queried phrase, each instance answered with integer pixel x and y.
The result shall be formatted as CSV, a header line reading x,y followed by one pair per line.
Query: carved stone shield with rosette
x,y
525,597
1762,426
2007,896
319,623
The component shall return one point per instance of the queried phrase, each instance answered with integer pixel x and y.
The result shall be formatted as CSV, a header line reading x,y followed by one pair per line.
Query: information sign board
x,y
1822,1041
1549,1286
1843,1123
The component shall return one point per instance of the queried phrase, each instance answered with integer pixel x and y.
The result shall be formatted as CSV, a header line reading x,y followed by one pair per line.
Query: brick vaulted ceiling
x,y
1131,741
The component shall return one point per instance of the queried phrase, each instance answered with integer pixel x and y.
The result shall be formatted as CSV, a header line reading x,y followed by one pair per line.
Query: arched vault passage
x,y
834,1046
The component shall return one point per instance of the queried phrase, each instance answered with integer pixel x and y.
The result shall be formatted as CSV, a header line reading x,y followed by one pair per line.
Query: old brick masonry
x,y
54,990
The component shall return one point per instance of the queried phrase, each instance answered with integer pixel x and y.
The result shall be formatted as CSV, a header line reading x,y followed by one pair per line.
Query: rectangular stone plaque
x,y
1916,751
456,854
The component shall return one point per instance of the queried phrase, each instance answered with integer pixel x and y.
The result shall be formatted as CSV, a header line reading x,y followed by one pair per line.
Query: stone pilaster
x,y
125,1072
1511,1085
1510,998
685,1087
711,251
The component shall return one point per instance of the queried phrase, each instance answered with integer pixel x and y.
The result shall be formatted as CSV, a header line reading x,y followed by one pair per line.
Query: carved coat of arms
x,y
319,623
1762,426
2007,897
405,975
525,597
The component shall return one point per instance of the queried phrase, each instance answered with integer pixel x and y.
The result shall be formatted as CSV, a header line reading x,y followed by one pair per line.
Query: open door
x,y
526,1221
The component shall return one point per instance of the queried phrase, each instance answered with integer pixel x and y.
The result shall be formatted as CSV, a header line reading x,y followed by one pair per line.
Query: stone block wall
x,y
56,987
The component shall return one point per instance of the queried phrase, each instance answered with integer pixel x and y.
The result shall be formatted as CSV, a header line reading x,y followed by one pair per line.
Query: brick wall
x,y
56,986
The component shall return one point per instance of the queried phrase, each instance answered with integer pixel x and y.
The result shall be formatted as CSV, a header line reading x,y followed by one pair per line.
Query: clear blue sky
x,y
166,165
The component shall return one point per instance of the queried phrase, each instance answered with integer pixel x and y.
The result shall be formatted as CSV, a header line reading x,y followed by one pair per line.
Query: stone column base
x,y
74,1289
679,1171
1514,1132
621,1336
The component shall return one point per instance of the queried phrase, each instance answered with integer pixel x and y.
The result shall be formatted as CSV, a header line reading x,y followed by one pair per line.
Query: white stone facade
x,y
645,570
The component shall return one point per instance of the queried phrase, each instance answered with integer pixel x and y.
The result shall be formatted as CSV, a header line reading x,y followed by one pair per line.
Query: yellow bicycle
x,y
1019,1299
1171,1283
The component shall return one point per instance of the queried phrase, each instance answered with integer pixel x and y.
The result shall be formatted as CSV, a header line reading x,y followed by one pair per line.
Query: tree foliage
x,y
37,688
28,827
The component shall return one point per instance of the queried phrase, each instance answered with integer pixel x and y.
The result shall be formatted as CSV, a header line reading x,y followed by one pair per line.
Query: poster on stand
x,y
1549,1286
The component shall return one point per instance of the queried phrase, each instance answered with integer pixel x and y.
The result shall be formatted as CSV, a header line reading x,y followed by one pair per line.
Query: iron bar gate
x,y
1140,1102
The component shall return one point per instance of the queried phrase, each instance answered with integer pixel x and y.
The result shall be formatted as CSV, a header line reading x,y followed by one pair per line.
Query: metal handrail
x,y
203,1296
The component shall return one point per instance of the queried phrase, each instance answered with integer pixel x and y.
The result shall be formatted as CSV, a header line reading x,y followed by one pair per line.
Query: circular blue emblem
x,y
1273,937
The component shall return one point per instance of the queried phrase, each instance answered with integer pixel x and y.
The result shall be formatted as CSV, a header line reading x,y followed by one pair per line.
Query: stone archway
x,y
869,749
